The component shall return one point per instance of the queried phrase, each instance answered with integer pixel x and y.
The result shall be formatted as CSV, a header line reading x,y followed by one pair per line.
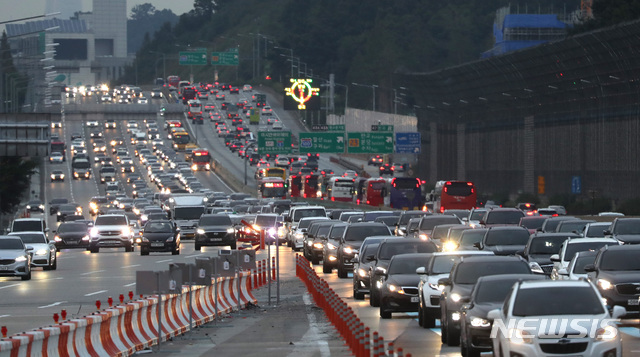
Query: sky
x,y
12,9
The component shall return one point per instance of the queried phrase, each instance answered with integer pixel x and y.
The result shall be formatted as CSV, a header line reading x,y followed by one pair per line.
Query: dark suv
x,y
507,240
214,230
457,288
502,217
616,274
626,230
351,240
541,247
330,246
363,263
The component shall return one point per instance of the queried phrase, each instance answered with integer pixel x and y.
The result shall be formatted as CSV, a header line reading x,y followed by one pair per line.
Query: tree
x,y
142,11
204,8
14,181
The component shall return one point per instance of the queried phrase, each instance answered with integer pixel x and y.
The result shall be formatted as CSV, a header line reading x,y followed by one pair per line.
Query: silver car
x,y
15,259
44,251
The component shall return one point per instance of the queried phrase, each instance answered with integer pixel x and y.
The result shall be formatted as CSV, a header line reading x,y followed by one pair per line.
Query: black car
x,y
616,273
541,247
71,235
160,236
488,294
67,209
55,203
35,206
386,169
626,230
403,219
504,240
363,263
387,249
351,240
330,247
215,230
461,281
312,244
399,290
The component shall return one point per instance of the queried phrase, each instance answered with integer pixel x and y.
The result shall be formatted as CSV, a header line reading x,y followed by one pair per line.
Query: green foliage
x,y
610,12
14,181
146,20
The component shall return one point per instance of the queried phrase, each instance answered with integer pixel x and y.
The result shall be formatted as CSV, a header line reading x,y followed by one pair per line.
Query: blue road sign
x,y
576,185
408,143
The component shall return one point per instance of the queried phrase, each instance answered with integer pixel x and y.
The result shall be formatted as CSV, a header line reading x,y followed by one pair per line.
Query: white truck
x,y
185,210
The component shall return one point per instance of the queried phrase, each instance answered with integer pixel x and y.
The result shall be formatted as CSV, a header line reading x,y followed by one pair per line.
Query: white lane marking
x,y
1,316
130,266
437,331
164,261
51,305
127,285
96,293
312,336
93,272
9,286
193,256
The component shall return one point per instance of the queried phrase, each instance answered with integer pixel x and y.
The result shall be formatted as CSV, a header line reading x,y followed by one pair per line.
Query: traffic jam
x,y
515,281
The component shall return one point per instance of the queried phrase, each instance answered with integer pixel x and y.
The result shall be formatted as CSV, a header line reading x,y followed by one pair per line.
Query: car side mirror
x,y
590,268
563,271
421,271
481,222
379,271
607,232
29,248
370,258
477,245
618,312
520,253
555,258
538,229
444,281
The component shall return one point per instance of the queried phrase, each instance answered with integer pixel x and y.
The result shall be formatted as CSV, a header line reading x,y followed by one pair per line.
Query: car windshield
x,y
471,236
504,217
533,223
28,225
596,230
428,223
72,227
546,245
305,223
266,221
32,238
407,265
11,243
581,262
158,227
188,212
337,231
477,215
57,201
470,272
557,300
404,219
507,237
571,226
493,291
388,250
620,260
442,264
627,227
111,221
215,220
359,233
312,212
369,249
573,248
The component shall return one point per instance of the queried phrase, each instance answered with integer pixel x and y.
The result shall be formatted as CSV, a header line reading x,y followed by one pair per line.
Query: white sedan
x,y
44,251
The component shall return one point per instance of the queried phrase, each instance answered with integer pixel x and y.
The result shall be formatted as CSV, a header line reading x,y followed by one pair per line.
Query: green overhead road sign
x,y
324,127
370,143
197,58
381,127
229,58
274,142
325,142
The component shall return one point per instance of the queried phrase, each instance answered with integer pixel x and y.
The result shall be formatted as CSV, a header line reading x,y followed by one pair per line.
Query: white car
x,y
92,123
143,100
56,158
297,238
56,124
540,318
571,246
44,251
247,88
428,289
575,269
282,162
13,250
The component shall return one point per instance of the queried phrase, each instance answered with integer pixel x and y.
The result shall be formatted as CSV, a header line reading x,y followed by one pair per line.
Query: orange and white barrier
x,y
129,327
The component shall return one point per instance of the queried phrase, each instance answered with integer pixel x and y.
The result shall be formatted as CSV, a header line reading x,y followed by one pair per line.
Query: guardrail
x,y
357,336
139,323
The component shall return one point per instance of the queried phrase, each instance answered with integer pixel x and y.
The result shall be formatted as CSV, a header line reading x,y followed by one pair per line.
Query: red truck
x,y
61,147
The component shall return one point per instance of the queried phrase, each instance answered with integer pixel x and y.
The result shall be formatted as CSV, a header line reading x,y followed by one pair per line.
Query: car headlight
x,y
424,236
449,246
126,231
200,231
231,230
535,268
41,252
317,245
194,167
479,322
362,273
299,236
392,287
170,239
57,239
85,238
605,284
94,232
21,258
436,286
144,217
455,297
349,250
59,213
520,337
53,177
136,211
93,206
331,246
271,232
607,333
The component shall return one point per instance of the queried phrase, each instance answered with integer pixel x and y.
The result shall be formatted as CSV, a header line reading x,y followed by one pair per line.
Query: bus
x,y
180,140
405,193
173,81
272,187
194,111
340,189
188,93
374,191
200,160
454,195
275,172
295,185
311,186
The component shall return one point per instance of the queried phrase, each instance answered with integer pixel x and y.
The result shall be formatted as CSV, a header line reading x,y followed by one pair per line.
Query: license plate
x,y
415,299
4,268
215,239
633,302
157,244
